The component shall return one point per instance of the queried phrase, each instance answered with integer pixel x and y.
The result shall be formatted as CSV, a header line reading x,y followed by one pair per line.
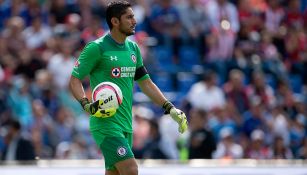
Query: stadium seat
x,y
270,80
185,81
296,83
165,59
188,57
164,81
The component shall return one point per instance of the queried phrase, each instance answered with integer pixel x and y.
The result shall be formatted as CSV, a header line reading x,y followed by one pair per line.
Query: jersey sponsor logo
x,y
113,58
121,151
123,72
115,72
133,58
127,72
76,63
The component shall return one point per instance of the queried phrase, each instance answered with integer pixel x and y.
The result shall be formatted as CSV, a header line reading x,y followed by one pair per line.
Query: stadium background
x,y
236,67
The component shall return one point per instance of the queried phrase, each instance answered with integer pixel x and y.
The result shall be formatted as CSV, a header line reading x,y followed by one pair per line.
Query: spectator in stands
x,y
36,34
169,138
257,148
19,99
295,43
285,97
13,34
58,12
274,16
165,25
278,123
28,63
153,149
249,15
259,89
201,142
42,130
42,82
302,154
205,94
297,131
17,147
280,150
61,64
270,57
293,14
143,40
64,125
92,31
141,9
227,148
195,25
235,91
225,25
141,128
72,27
255,117
220,118
14,8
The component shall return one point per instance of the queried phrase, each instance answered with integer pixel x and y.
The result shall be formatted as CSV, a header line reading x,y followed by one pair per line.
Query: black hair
x,y
209,74
15,124
116,9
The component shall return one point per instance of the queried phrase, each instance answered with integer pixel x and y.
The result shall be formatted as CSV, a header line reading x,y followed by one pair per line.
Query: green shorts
x,y
115,146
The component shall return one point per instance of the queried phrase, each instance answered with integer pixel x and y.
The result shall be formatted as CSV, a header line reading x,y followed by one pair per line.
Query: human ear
x,y
115,21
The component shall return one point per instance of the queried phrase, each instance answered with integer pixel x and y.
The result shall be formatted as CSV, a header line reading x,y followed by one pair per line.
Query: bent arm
x,y
152,91
76,88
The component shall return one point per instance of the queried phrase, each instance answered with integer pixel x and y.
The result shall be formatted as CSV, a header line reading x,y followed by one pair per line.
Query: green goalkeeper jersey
x,y
106,60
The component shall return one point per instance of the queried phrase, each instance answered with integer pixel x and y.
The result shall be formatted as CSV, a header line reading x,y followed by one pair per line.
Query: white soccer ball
x,y
109,93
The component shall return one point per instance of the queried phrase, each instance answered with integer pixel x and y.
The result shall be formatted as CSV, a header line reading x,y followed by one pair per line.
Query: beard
x,y
126,31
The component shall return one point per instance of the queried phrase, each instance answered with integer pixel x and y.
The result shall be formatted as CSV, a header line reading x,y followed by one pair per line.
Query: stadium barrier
x,y
160,167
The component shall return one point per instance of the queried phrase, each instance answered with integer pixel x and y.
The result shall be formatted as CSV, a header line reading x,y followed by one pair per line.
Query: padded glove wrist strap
x,y
84,101
167,106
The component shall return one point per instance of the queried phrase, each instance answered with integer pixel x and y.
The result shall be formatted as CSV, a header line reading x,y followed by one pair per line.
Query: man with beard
x,y
116,59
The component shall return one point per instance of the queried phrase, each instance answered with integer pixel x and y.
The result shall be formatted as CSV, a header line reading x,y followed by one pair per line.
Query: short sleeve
x,y
86,61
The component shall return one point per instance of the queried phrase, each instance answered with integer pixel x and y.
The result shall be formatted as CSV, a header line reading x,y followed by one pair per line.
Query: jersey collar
x,y
121,45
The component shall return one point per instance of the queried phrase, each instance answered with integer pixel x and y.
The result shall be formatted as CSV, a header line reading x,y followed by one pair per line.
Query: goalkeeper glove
x,y
176,115
95,110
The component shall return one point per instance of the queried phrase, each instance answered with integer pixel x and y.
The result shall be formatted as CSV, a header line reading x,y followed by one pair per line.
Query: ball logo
x,y
110,98
133,58
121,151
115,72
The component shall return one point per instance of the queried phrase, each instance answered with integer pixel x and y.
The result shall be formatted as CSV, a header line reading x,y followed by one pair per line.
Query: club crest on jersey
x,y
121,151
133,58
115,72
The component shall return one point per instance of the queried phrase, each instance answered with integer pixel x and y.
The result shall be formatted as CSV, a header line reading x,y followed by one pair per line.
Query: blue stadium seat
x,y
164,56
296,83
185,81
270,80
188,57
164,81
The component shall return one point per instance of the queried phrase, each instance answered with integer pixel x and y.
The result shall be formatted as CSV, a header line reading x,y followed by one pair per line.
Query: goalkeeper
x,y
116,59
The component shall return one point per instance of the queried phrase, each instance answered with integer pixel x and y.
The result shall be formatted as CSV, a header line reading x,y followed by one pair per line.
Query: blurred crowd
x,y
237,68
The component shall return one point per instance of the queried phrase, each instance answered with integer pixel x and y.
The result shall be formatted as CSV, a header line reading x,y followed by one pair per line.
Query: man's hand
x,y
176,115
180,118
95,110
